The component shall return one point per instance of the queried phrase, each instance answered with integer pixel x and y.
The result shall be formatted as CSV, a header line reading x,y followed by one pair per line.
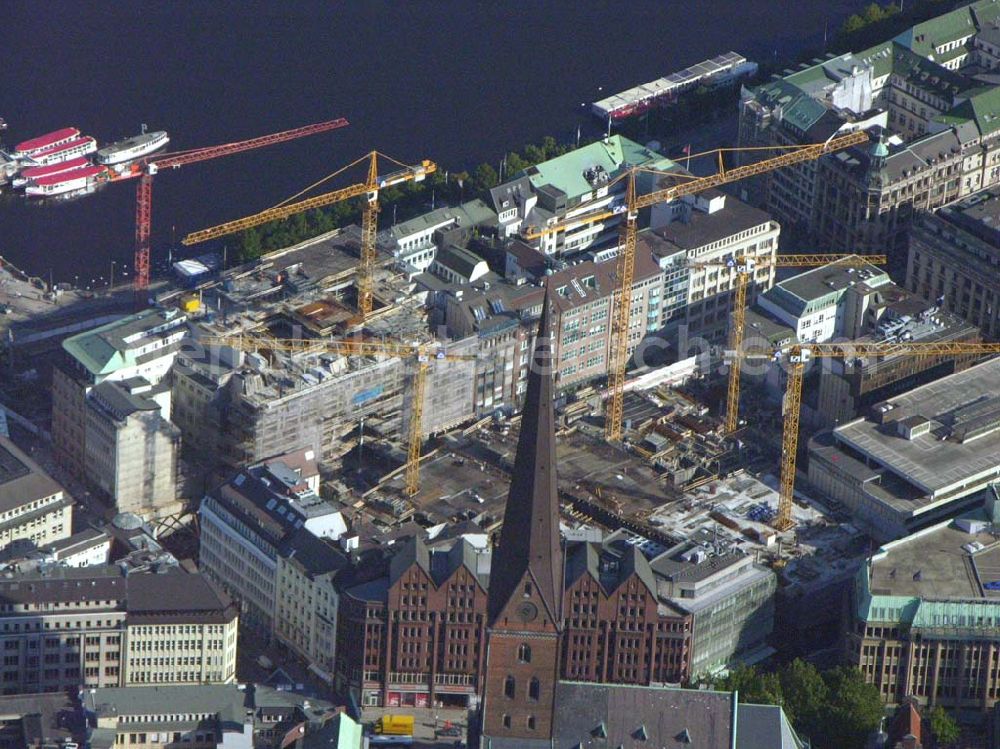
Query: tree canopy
x,y
943,726
836,709
404,201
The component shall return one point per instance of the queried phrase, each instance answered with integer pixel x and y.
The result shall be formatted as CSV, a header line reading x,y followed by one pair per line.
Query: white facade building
x,y
268,539
574,185
33,507
825,303
711,230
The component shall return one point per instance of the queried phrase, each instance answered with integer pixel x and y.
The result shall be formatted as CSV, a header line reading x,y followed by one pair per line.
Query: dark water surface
x,y
455,81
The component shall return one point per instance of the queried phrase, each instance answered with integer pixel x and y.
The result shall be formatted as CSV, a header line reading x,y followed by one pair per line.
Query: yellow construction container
x,y
190,303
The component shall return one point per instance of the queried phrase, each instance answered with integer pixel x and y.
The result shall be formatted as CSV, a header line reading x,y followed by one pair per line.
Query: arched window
x,y
531,722
524,653
506,721
534,688
527,590
508,687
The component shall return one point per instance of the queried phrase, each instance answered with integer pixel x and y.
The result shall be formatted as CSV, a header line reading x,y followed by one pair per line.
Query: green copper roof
x,y
804,113
812,74
983,108
566,172
986,12
879,57
105,349
945,28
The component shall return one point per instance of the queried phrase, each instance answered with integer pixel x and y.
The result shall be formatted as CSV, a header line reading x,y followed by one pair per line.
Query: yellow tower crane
x,y
745,267
369,218
421,354
634,202
799,354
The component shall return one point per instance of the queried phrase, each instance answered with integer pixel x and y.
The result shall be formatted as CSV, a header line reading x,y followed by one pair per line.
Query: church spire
x,y
530,551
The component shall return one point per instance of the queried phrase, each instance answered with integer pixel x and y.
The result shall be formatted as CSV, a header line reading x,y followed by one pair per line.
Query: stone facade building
x,y
267,538
931,107
33,507
922,622
954,254
96,626
142,345
132,448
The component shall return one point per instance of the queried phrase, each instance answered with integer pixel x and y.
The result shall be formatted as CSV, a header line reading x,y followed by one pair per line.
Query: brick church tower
x,y
526,577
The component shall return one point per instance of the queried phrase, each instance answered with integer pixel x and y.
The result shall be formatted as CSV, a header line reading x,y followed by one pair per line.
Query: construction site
x,y
329,345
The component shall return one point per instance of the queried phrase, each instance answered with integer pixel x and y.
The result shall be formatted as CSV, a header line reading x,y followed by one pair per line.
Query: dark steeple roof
x,y
529,540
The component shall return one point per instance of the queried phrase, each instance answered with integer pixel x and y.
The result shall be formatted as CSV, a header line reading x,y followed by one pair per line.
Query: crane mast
x,y
420,354
146,168
369,216
634,203
745,267
619,325
798,355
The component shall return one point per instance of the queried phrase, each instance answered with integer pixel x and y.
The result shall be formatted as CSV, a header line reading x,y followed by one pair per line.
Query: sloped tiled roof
x,y
948,27
624,713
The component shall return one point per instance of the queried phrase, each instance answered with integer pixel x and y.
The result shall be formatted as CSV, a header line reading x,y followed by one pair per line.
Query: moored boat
x,y
37,172
65,151
74,179
133,148
42,142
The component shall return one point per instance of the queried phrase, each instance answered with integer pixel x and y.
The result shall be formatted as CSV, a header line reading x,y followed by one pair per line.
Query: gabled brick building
x,y
412,625
616,629
414,635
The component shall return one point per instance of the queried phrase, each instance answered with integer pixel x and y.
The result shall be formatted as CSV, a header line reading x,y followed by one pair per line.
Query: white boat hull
x,y
131,154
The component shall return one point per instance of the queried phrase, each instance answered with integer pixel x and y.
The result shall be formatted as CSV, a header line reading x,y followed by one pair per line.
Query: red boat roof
x,y
43,141
64,146
57,179
45,171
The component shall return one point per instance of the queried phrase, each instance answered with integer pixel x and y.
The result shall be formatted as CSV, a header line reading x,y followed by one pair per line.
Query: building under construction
x,y
242,406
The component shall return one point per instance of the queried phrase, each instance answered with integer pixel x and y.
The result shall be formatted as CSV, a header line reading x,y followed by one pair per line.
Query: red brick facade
x,y
424,646
524,657
621,638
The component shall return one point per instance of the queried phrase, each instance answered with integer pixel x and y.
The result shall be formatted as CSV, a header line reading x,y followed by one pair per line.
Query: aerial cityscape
x,y
382,386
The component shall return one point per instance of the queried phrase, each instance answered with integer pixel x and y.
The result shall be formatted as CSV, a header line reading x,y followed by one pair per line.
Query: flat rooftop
x,y
703,228
961,443
45,719
737,511
977,214
827,279
226,700
21,479
945,563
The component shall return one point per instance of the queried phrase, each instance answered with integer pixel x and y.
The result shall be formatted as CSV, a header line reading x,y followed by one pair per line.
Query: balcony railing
x,y
454,680
409,677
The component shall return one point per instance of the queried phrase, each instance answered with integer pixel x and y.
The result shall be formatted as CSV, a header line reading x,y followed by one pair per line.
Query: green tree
x,y
321,221
515,164
484,178
854,708
853,24
806,695
752,685
249,245
943,726
534,154
551,147
298,226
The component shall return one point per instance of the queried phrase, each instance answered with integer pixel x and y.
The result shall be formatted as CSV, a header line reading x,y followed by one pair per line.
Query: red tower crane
x,y
146,168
